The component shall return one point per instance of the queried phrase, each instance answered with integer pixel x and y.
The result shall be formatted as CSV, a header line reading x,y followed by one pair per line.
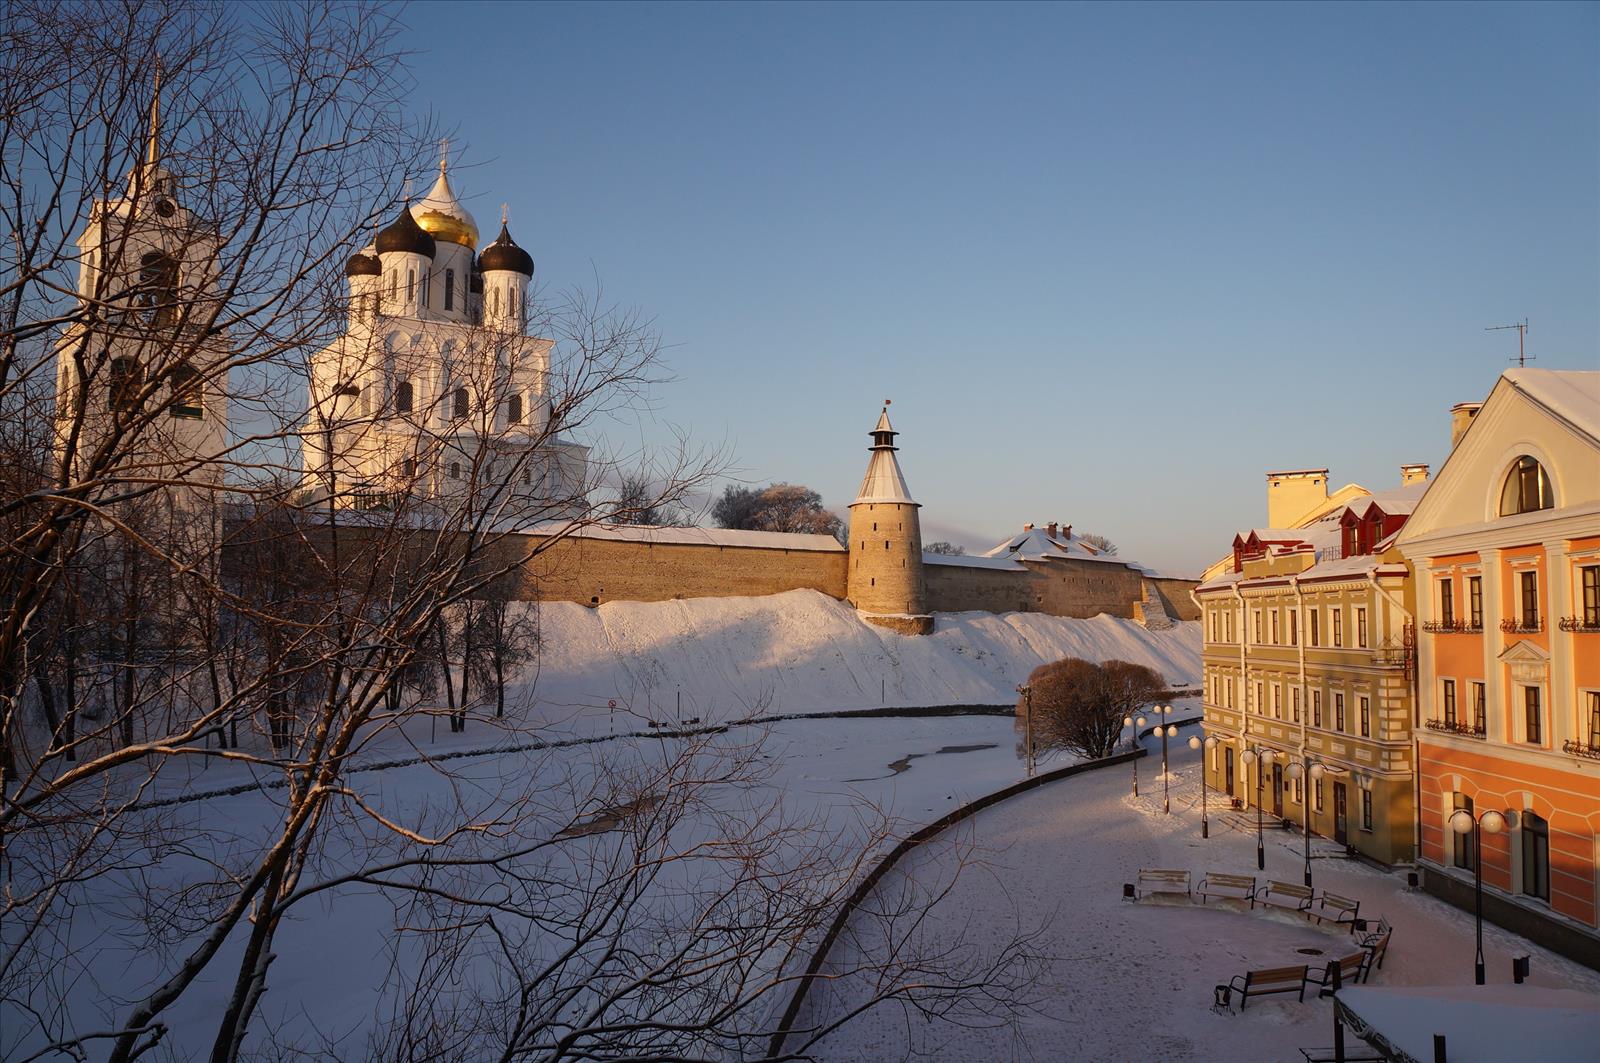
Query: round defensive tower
x,y
885,580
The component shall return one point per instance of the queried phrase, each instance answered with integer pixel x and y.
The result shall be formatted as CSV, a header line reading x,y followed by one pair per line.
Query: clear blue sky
x,y
1112,263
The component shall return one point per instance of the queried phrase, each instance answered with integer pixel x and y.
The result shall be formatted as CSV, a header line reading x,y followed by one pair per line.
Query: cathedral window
x,y
425,287
411,285
449,289
514,410
186,393
127,378
497,300
158,287
455,470
461,402
402,397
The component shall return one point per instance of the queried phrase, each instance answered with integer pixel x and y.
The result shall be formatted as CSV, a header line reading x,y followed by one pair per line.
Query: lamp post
x,y
1464,823
1262,759
1135,723
1027,722
1312,771
1168,731
1209,744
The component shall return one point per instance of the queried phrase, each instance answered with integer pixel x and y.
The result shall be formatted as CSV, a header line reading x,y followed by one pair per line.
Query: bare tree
x,y
1080,705
1100,543
777,507
945,548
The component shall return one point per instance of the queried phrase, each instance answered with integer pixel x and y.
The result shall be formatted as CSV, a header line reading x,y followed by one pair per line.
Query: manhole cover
x,y
1309,952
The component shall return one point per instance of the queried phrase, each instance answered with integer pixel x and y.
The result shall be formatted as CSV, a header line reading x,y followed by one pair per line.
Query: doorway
x,y
1339,814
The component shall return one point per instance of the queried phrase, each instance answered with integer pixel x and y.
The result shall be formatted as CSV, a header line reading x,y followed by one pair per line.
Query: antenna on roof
x,y
1522,336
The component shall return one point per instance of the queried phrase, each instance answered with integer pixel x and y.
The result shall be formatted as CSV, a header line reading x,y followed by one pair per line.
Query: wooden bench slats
x,y
1163,880
1286,895
1264,983
1217,884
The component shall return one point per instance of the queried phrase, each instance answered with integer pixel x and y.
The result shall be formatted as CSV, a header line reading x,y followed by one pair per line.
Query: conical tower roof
x,y
884,482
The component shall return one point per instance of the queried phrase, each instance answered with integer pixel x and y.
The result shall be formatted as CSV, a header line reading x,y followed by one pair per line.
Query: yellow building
x,y
1309,669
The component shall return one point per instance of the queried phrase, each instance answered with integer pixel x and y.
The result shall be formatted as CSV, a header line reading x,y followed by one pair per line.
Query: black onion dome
x,y
362,264
504,254
404,234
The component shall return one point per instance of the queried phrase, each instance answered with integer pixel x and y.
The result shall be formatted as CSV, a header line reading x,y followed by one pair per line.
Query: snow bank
x,y
800,652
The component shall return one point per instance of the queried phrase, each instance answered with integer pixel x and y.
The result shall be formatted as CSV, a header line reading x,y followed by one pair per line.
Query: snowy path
x,y
1129,981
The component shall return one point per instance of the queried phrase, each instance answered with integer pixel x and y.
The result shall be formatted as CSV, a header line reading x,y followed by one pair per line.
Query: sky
x,y
1112,263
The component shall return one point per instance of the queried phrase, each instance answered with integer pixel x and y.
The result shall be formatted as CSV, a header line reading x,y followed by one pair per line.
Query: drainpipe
x,y
1416,724
1305,697
1244,685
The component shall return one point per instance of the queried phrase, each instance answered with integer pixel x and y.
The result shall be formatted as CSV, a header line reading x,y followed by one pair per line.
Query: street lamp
x,y
1135,723
1169,731
1210,743
1263,759
1464,823
1312,771
1027,722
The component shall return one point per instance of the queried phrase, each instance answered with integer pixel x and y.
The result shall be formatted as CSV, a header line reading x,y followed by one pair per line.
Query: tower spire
x,y
153,147
444,155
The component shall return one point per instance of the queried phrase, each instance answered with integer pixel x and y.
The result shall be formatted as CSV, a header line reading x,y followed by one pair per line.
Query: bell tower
x,y
885,581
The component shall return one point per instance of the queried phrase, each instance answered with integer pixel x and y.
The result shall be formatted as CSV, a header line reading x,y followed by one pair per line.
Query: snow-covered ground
x,y
1134,981
800,652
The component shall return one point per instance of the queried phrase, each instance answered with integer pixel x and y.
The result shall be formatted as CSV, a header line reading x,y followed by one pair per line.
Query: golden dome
x,y
443,217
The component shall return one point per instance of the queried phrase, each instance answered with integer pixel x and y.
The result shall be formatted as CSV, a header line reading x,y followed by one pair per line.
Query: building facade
x,y
1506,547
1308,667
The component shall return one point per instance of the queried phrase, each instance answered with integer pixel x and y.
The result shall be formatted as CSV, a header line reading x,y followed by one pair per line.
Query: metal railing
x,y
1457,727
1527,625
1586,624
1581,749
1452,627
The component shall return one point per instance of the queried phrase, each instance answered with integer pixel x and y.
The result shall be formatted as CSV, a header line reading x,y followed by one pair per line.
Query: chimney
x,y
1027,527
1461,415
1295,494
1052,529
1068,533
1413,474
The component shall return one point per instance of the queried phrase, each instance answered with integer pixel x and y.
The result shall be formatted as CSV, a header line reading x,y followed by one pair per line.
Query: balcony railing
x,y
1528,625
1466,730
1452,627
1585,624
1581,749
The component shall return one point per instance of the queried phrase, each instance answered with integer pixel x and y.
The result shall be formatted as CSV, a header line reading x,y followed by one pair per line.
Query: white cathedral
x,y
435,385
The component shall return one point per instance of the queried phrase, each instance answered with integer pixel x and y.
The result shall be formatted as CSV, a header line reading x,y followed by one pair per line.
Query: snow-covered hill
x,y
800,652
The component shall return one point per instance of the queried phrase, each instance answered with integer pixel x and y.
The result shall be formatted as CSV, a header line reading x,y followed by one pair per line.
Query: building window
x,y
1295,699
1314,627
1338,712
1364,715
426,287
1257,618
1528,582
403,396
1338,627
158,284
1366,809
127,380
1591,595
186,394
1480,701
461,402
449,289
1316,708
1447,601
1475,602
1449,702
410,469
1462,856
1535,856
496,300
514,410
1294,628
455,470
1533,718
1275,640
1277,702
411,285
1317,792
1593,698
1361,628
1527,489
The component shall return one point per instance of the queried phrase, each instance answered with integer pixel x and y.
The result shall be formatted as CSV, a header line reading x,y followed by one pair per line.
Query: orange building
x,y
1505,546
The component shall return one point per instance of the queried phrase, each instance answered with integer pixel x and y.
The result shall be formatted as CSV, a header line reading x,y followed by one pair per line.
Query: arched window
x,y
497,300
514,410
1535,856
411,285
127,378
461,402
425,287
186,394
449,289
158,287
402,397
1527,489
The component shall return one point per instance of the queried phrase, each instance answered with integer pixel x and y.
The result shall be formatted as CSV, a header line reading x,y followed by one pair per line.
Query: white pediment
x,y
1529,663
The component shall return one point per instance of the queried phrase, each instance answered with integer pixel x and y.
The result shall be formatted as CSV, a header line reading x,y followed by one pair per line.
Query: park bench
x,y
1237,887
1352,969
1263,983
1156,880
1377,945
1332,908
1285,895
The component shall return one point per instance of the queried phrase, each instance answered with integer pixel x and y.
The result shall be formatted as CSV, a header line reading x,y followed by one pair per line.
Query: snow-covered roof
x,y
1571,394
1398,502
1037,544
884,482
635,533
968,561
1481,1023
